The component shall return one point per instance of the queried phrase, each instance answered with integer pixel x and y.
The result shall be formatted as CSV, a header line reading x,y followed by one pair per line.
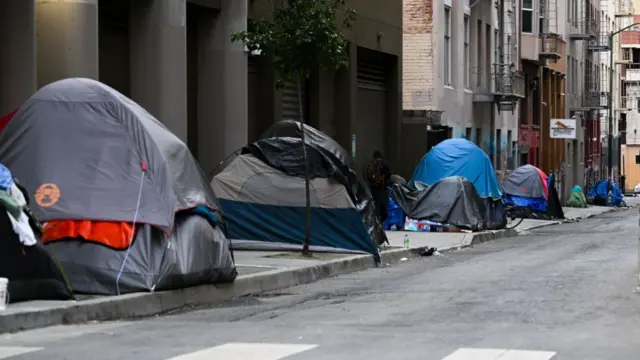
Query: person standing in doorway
x,y
378,175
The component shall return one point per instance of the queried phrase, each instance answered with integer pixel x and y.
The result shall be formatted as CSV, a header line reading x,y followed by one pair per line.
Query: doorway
x,y
436,136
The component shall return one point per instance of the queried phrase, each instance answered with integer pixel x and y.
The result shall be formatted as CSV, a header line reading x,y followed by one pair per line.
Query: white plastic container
x,y
4,294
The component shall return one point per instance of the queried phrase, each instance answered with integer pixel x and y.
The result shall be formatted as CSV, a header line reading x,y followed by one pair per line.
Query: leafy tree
x,y
299,37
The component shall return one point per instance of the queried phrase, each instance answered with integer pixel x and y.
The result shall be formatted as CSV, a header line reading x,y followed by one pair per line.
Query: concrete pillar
x,y
222,85
158,58
394,112
322,101
18,46
67,39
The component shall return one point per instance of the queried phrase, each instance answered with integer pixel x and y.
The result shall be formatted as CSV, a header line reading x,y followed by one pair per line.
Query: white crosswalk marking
x,y
246,351
10,351
499,354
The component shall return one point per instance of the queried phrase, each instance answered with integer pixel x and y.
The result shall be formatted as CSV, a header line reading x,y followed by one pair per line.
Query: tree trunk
x,y
307,190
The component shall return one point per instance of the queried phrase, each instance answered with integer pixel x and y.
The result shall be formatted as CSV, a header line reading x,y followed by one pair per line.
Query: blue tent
x,y
600,190
459,157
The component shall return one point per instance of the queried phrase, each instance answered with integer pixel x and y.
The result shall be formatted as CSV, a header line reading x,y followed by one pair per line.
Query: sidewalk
x,y
258,272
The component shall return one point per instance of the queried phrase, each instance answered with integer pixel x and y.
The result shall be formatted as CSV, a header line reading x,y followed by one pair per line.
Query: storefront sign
x,y
563,129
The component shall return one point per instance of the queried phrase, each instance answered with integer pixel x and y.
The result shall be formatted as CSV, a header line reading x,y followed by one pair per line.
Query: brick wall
x,y
631,37
418,55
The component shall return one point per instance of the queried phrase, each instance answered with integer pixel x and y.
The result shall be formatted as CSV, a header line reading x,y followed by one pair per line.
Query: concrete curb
x,y
149,304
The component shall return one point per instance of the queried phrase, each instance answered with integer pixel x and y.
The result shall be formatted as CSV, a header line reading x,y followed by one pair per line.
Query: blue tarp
x,y
6,179
535,204
600,190
395,215
459,157
331,228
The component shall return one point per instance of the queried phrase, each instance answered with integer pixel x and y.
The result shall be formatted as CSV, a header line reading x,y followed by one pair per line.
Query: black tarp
x,y
453,200
554,207
32,271
280,147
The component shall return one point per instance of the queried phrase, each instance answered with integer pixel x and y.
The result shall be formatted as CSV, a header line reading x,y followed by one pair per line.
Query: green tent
x,y
577,198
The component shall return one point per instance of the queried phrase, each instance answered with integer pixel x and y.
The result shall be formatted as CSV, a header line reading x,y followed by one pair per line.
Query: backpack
x,y
375,174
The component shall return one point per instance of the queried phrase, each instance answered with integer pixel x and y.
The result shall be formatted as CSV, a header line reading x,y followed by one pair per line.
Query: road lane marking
x,y
10,351
499,354
246,351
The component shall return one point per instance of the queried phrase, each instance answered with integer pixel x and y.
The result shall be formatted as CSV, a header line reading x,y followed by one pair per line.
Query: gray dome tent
x,y
86,152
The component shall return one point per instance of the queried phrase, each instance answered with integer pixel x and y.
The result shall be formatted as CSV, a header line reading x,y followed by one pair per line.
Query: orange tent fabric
x,y
116,235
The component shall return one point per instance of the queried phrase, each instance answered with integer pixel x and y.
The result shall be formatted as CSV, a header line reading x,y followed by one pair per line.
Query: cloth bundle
x,y
13,200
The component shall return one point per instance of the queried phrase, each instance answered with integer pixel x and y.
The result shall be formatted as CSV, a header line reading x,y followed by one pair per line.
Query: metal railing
x,y
479,81
549,44
508,80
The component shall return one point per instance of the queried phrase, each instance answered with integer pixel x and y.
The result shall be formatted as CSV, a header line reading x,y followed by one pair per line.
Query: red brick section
x,y
530,135
418,16
631,37
417,58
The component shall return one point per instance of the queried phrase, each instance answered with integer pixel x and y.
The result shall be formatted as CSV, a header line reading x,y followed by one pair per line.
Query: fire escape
x,y
585,27
550,39
509,81
625,60
598,50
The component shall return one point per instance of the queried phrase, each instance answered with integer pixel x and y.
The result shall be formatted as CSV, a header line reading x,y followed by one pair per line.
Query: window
x,y
479,47
541,28
489,67
508,50
496,44
447,46
467,133
466,52
479,137
498,149
527,16
638,105
510,150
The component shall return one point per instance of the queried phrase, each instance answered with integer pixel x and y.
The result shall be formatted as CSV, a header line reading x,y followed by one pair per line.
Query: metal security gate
x,y
372,75
291,102
372,105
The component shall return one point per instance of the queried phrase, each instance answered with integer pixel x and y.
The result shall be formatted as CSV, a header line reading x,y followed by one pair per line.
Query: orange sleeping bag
x,y
116,235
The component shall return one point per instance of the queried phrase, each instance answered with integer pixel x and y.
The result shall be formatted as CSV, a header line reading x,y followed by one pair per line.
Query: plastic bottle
x,y
406,241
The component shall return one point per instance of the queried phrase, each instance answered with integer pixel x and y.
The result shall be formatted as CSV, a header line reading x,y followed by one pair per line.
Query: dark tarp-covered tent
x,y
262,194
461,157
453,201
528,186
90,155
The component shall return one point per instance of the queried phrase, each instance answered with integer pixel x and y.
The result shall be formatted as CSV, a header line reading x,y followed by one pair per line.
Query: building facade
x,y
461,77
176,59
628,107
548,54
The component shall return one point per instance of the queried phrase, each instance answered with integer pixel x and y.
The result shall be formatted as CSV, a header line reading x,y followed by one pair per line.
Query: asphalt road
x,y
563,291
